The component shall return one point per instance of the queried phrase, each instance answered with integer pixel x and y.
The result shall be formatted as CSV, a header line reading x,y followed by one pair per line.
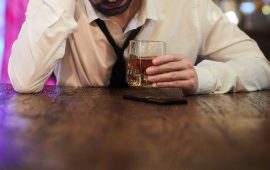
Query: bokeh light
x,y
247,7
266,10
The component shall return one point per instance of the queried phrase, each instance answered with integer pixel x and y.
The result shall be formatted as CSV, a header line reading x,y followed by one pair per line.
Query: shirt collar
x,y
148,11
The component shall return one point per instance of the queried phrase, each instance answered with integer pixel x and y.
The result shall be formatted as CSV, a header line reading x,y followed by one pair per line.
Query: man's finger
x,y
171,76
168,67
183,84
166,59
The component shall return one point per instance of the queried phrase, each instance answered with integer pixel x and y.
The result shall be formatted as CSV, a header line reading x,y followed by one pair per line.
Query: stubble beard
x,y
111,12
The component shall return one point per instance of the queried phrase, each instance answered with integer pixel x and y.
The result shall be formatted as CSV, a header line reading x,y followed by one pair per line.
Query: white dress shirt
x,y
62,36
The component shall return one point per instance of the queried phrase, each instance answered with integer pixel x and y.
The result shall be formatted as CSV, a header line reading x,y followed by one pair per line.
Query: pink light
x,y
15,15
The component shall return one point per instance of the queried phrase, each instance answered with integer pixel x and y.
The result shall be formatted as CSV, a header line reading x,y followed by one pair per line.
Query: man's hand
x,y
173,71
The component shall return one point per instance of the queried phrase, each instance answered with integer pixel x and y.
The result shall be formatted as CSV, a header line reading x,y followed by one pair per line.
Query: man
x,y
69,37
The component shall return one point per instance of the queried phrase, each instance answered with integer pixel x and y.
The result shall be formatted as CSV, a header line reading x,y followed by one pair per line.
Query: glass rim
x,y
147,41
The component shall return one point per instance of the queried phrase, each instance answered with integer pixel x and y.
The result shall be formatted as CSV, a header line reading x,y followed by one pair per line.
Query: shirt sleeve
x,y
41,43
232,61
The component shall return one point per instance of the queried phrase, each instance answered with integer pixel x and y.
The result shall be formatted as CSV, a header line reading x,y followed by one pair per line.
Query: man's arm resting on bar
x,y
41,43
233,61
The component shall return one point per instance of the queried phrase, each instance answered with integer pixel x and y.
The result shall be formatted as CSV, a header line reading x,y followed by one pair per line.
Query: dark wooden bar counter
x,y
95,129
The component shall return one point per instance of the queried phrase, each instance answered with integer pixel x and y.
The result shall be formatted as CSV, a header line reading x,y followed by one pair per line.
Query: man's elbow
x,y
26,85
25,89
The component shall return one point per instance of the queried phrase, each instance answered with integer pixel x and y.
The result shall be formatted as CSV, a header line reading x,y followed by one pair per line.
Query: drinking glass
x,y
141,54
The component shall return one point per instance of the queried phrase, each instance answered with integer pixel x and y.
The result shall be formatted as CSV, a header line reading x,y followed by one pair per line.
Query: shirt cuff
x,y
205,81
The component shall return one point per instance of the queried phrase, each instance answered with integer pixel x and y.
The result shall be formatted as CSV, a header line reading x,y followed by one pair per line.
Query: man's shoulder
x,y
178,6
58,6
179,3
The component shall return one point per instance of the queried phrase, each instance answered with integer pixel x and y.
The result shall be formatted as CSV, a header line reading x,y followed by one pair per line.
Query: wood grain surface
x,y
95,129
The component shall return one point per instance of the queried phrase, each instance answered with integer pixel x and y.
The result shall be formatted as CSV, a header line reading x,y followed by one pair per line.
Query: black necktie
x,y
118,76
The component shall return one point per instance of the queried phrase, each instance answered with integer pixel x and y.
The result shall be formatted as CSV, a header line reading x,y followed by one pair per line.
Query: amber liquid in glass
x,y
136,71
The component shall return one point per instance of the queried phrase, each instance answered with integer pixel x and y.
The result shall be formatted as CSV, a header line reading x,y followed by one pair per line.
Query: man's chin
x,y
114,11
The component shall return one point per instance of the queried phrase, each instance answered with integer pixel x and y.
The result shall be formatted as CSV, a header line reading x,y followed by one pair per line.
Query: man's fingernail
x,y
154,85
150,78
149,70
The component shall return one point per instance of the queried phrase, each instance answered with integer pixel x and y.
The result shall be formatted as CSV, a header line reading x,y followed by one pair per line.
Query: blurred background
x,y
252,16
